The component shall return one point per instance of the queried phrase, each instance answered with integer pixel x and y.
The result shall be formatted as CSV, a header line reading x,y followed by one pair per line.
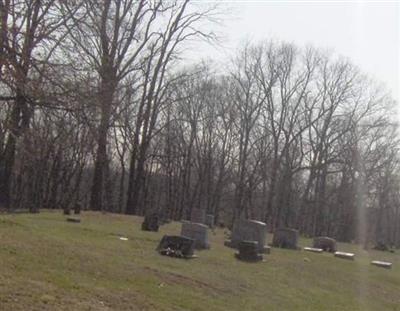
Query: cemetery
x,y
199,155
118,261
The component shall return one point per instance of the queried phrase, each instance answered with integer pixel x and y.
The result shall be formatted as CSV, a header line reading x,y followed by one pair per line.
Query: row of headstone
x,y
248,236
152,221
327,244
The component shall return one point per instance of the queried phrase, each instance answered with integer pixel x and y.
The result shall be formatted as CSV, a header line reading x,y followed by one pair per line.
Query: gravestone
x,y
285,238
327,244
150,223
176,246
210,220
249,230
313,249
248,251
344,255
198,215
75,220
77,208
382,264
197,232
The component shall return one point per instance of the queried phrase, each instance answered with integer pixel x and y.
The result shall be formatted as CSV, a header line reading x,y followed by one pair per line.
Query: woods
x,y
98,107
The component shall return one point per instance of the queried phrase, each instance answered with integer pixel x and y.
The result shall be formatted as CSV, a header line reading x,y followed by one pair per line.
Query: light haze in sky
x,y
366,32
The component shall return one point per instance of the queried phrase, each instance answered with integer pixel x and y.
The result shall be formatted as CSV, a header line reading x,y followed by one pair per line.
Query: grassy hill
x,y
47,263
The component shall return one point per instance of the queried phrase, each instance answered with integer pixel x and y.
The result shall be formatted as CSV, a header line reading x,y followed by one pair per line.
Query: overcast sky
x,y
367,32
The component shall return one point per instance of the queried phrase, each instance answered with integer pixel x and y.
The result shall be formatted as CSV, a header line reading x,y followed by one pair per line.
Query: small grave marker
x,y
313,249
349,256
77,208
210,220
382,264
151,222
75,220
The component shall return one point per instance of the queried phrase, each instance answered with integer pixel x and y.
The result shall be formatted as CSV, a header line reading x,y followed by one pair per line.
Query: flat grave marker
x,y
313,249
344,255
382,264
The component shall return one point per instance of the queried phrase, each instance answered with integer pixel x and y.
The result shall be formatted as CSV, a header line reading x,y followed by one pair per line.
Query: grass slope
x,y
47,263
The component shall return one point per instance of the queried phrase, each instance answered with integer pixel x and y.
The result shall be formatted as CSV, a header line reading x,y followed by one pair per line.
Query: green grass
x,y
47,263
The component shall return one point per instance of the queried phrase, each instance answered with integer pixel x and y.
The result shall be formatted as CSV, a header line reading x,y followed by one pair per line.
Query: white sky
x,y
367,32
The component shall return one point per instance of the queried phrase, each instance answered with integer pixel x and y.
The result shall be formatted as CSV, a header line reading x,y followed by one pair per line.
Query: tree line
x,y
98,108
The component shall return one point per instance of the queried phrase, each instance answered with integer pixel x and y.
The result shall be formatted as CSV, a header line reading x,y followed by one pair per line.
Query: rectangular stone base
x,y
249,259
265,250
313,249
344,255
382,264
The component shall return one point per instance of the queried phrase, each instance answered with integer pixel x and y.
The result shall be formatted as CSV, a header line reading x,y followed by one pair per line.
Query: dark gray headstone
x,y
77,208
176,246
75,220
327,244
286,238
248,251
151,223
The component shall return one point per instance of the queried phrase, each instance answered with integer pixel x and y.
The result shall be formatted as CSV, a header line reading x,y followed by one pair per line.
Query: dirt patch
x,y
174,278
9,223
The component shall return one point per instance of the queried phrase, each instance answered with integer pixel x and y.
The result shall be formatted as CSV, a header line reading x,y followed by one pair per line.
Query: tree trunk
x,y
105,99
